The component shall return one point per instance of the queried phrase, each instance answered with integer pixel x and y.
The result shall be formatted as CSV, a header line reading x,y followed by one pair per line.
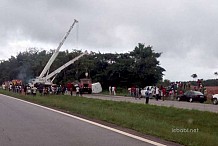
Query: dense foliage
x,y
138,67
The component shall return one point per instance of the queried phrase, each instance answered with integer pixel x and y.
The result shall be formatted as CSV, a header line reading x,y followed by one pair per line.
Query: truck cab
x,y
86,85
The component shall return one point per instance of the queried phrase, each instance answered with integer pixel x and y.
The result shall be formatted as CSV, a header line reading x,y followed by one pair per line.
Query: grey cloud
x,y
175,28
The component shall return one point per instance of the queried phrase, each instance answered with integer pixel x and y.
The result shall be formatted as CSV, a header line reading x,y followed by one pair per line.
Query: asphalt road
x,y
168,103
24,124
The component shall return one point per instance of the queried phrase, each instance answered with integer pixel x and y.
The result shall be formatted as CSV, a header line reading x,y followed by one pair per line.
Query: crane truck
x,y
45,76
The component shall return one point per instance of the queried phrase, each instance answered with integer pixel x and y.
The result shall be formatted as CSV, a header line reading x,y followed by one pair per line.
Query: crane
x,y
54,73
45,77
55,54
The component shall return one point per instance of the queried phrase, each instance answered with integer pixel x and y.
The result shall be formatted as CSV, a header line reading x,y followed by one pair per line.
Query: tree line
x,y
208,82
139,67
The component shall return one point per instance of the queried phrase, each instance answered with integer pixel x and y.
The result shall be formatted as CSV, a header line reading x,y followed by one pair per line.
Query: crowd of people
x,y
147,92
44,89
157,92
161,92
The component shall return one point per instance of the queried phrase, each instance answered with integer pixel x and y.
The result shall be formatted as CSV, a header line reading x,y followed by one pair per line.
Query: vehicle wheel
x,y
214,101
178,98
190,99
201,101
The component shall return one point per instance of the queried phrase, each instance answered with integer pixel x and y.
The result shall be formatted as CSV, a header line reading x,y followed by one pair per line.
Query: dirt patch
x,y
211,90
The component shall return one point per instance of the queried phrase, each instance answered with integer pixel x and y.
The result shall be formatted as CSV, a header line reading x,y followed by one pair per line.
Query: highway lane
x,y
168,103
24,124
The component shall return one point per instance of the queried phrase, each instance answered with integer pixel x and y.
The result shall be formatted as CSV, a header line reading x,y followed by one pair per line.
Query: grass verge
x,y
165,122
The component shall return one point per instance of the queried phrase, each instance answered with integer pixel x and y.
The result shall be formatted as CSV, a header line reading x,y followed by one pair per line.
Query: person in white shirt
x,y
34,90
110,90
77,91
3,86
157,93
113,90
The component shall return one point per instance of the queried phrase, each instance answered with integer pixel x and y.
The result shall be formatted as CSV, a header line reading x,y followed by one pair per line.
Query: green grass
x,y
119,92
148,119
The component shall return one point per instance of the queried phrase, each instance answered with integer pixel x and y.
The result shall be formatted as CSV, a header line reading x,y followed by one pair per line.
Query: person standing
x,y
77,91
10,87
3,86
41,88
137,93
80,91
25,89
34,89
45,91
140,95
110,90
113,90
132,91
147,95
63,90
161,92
157,93
164,93
71,91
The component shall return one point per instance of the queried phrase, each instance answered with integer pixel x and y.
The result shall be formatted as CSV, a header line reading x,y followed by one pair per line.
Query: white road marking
x,y
93,123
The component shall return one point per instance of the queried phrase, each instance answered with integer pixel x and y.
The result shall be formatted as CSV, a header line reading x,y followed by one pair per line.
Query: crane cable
x,y
77,36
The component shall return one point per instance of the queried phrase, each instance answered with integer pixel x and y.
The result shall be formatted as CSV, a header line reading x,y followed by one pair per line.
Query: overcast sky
x,y
185,31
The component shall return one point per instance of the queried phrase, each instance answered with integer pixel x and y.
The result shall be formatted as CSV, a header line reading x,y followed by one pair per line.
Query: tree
x,y
194,76
164,83
138,67
216,74
146,66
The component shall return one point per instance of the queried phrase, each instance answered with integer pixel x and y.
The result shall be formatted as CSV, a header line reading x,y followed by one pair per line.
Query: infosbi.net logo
x,y
185,130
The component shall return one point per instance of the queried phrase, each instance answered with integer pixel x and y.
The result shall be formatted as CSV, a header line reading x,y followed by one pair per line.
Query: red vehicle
x,y
86,85
17,82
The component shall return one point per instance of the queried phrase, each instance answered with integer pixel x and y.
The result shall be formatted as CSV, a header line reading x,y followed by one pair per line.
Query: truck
x,y
86,85
47,78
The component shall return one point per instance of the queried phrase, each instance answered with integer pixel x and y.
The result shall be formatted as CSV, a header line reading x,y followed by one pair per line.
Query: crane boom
x,y
64,66
51,60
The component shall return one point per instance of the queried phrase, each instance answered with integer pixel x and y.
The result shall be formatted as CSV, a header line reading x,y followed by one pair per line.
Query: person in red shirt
x,y
164,93
133,90
180,92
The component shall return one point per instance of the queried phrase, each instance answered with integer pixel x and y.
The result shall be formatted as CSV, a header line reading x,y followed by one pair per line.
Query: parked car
x,y
214,99
192,96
